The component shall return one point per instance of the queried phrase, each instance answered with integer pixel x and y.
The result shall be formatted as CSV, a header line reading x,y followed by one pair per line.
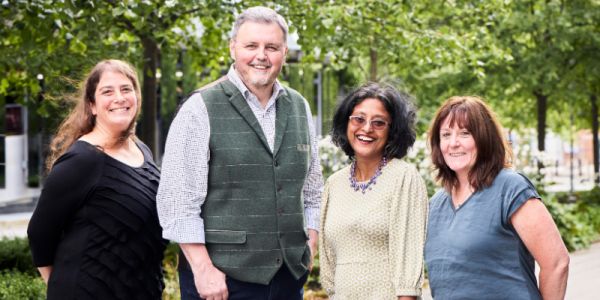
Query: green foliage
x,y
313,282
18,276
15,255
171,291
578,222
21,286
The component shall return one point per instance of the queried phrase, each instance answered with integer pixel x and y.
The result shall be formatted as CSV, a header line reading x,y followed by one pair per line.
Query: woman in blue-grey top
x,y
487,225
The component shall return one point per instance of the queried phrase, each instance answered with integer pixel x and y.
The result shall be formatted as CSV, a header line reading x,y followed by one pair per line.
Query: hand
x,y
313,238
210,283
45,273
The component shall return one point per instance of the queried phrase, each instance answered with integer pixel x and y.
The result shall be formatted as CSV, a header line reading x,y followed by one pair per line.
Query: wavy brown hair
x,y
80,120
493,151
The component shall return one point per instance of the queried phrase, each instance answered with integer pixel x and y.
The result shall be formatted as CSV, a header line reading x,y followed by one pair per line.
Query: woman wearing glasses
x,y
373,215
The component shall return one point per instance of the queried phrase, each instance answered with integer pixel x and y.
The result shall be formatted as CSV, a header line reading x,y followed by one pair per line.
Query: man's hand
x,y
210,281
313,241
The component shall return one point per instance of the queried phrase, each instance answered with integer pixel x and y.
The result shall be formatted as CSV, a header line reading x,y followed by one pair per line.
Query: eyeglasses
x,y
377,124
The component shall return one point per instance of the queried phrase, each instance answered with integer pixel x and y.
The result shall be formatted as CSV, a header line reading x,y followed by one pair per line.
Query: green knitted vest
x,y
254,212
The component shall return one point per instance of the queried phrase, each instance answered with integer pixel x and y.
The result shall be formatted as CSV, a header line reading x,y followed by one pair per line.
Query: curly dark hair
x,y
402,134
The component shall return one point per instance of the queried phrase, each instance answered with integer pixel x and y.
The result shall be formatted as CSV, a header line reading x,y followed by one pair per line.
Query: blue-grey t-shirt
x,y
473,252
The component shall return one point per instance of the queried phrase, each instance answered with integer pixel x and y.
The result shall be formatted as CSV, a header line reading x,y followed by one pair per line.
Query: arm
x,y
184,174
45,273
327,255
71,179
182,191
407,233
313,244
537,230
210,281
312,189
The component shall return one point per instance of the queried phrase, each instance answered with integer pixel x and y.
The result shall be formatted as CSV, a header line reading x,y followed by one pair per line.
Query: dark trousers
x,y
283,286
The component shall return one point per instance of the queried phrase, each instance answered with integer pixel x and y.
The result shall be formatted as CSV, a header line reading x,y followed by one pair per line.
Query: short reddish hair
x,y
493,152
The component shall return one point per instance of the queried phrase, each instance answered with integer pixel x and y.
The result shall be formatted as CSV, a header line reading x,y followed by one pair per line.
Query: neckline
x,y
461,205
364,186
115,159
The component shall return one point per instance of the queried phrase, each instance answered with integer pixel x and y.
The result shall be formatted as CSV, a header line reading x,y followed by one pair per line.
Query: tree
x,y
48,32
158,24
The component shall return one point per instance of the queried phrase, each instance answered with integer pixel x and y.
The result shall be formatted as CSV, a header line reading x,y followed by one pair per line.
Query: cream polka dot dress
x,y
371,244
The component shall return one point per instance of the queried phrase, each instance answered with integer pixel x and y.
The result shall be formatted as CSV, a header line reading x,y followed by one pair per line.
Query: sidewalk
x,y
584,274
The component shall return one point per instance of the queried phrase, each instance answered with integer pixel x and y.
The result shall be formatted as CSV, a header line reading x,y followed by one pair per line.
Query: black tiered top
x,y
96,225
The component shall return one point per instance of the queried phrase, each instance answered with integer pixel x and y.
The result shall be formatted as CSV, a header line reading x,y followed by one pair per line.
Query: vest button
x,y
276,163
278,261
280,211
279,188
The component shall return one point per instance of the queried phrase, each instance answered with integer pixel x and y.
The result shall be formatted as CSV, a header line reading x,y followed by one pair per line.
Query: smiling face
x,y
458,147
368,142
115,104
259,51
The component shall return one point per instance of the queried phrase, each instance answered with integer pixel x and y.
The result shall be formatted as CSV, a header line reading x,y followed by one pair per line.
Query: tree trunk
x,y
149,134
373,69
593,99
542,105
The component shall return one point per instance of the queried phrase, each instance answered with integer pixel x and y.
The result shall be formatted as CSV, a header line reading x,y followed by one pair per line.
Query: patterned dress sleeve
x,y
407,232
326,255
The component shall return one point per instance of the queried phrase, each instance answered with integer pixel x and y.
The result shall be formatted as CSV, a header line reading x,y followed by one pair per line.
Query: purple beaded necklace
x,y
364,186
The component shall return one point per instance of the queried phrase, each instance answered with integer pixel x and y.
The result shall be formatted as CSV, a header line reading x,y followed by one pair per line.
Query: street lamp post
x,y
41,136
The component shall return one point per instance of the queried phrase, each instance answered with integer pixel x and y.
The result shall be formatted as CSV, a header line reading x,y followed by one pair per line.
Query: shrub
x,y
15,255
18,285
171,291
578,222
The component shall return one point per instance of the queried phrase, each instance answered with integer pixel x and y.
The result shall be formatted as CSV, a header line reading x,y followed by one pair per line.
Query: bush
x,y
15,255
171,291
18,285
578,222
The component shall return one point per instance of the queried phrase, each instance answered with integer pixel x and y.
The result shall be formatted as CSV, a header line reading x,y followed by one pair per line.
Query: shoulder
x,y
404,166
145,149
403,170
511,178
193,105
82,155
294,95
438,199
80,162
439,195
338,176
216,88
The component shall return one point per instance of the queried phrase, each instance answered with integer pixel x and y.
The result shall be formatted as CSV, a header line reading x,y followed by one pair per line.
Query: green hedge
x,y
578,222
18,285
15,255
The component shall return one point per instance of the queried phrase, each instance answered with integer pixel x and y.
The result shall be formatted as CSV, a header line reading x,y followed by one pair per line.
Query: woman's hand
x,y
45,272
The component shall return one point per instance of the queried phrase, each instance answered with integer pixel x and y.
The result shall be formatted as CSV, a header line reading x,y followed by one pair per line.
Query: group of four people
x,y
240,191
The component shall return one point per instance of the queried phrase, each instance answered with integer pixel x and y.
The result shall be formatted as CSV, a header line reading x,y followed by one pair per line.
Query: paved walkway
x,y
584,274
